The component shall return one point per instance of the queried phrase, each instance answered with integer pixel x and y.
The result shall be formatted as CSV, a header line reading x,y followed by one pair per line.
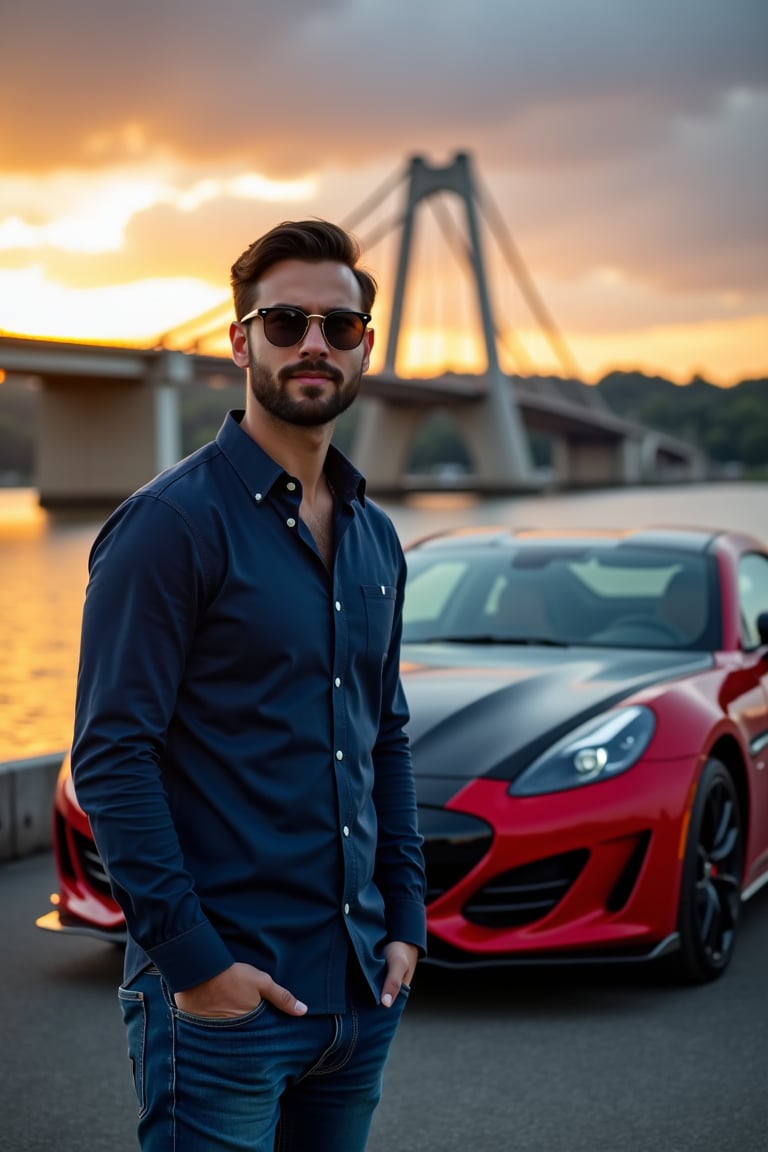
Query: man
x,y
239,742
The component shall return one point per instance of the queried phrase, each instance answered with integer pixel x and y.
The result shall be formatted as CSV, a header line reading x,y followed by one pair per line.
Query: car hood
x,y
489,711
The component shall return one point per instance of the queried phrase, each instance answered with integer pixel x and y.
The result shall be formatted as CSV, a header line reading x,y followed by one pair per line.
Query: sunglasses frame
x,y
263,313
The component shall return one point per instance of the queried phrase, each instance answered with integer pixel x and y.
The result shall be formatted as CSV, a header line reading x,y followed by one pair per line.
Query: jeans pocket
x,y
133,1008
220,1023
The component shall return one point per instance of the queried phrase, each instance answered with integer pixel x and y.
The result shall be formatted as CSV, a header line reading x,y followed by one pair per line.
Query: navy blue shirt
x,y
239,731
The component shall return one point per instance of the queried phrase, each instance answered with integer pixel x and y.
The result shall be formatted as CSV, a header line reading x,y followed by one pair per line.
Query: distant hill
x,y
729,424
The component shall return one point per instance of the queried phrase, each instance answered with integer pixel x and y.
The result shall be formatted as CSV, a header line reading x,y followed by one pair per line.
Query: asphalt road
x,y
558,1061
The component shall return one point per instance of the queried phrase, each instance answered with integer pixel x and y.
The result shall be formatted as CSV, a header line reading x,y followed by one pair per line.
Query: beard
x,y
315,407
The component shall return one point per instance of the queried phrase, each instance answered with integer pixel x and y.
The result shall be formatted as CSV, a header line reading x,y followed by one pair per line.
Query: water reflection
x,y
43,566
20,515
43,562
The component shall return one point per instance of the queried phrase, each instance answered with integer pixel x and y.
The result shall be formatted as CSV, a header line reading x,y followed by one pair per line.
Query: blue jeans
x,y
263,1082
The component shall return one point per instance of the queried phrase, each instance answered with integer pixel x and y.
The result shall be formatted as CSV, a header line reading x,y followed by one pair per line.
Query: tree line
x,y
729,424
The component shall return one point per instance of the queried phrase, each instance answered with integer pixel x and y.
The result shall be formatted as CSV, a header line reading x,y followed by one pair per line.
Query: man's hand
x,y
236,992
401,965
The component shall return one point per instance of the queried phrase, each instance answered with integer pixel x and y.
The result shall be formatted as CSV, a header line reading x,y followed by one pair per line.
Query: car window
x,y
604,595
753,595
430,589
609,581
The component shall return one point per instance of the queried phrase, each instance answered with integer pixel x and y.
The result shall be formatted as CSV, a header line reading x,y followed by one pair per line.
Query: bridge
x,y
110,416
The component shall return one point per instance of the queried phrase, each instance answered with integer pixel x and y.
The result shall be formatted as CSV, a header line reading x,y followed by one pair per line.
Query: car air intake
x,y
525,894
453,844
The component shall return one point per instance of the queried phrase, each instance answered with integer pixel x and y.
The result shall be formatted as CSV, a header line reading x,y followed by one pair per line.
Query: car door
x,y
753,600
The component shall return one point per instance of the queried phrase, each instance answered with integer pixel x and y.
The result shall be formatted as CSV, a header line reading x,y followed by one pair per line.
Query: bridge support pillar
x,y
586,463
383,439
100,438
490,427
496,438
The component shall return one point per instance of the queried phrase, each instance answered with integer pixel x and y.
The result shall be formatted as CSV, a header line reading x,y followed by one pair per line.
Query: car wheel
x,y
710,893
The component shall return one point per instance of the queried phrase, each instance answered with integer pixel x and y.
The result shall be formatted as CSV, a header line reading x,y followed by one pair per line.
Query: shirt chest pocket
x,y
379,603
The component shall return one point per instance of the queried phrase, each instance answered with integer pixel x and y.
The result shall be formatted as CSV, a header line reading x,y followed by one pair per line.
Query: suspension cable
x,y
459,245
372,202
517,266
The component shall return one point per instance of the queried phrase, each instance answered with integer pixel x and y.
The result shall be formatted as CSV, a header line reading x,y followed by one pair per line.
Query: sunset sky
x,y
623,142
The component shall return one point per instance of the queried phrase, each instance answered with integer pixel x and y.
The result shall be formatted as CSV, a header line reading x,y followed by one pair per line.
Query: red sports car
x,y
590,738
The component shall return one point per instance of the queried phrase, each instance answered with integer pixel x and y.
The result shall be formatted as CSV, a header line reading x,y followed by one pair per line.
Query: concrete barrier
x,y
26,805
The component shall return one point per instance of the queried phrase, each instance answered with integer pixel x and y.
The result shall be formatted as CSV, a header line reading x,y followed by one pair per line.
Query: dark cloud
x,y
289,86
690,216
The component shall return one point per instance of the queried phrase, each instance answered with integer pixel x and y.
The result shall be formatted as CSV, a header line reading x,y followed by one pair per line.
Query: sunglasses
x,y
284,327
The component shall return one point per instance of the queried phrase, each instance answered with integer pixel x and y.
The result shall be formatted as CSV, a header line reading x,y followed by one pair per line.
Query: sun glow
x,y
85,217
134,312
254,187
723,352
432,351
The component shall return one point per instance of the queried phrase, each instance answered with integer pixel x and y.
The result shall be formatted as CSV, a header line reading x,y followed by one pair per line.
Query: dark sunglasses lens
x,y
343,330
284,327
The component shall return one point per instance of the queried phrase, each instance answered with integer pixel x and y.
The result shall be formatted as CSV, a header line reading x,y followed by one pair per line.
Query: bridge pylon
x,y
491,425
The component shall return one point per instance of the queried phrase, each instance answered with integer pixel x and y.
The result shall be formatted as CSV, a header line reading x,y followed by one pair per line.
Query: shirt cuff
x,y
192,958
408,922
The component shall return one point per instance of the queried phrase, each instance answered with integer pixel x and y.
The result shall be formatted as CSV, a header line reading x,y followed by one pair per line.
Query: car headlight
x,y
603,747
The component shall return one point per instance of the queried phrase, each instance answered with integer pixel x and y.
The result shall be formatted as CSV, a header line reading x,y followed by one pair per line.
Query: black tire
x,y
710,890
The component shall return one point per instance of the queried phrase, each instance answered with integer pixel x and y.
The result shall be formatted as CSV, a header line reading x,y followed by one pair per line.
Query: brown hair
x,y
310,240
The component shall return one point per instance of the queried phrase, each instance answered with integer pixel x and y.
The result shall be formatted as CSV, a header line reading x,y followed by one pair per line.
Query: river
x,y
44,556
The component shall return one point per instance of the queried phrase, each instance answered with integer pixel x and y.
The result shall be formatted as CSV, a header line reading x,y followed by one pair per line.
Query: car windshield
x,y
613,595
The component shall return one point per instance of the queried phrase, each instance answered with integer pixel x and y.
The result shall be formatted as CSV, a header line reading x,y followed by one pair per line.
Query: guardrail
x,y
26,805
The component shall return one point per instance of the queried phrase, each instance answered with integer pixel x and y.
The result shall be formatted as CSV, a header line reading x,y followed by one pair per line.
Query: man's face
x,y
310,383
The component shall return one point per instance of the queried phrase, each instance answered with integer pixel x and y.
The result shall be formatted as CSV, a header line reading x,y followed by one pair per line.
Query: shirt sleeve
x,y
399,863
146,588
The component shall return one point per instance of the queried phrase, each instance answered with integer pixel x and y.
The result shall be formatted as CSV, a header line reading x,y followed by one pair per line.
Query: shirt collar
x,y
259,472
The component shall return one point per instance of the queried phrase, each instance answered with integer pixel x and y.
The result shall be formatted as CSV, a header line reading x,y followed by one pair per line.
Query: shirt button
x,y
291,486
338,605
291,522
337,682
339,755
346,909
258,497
345,830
